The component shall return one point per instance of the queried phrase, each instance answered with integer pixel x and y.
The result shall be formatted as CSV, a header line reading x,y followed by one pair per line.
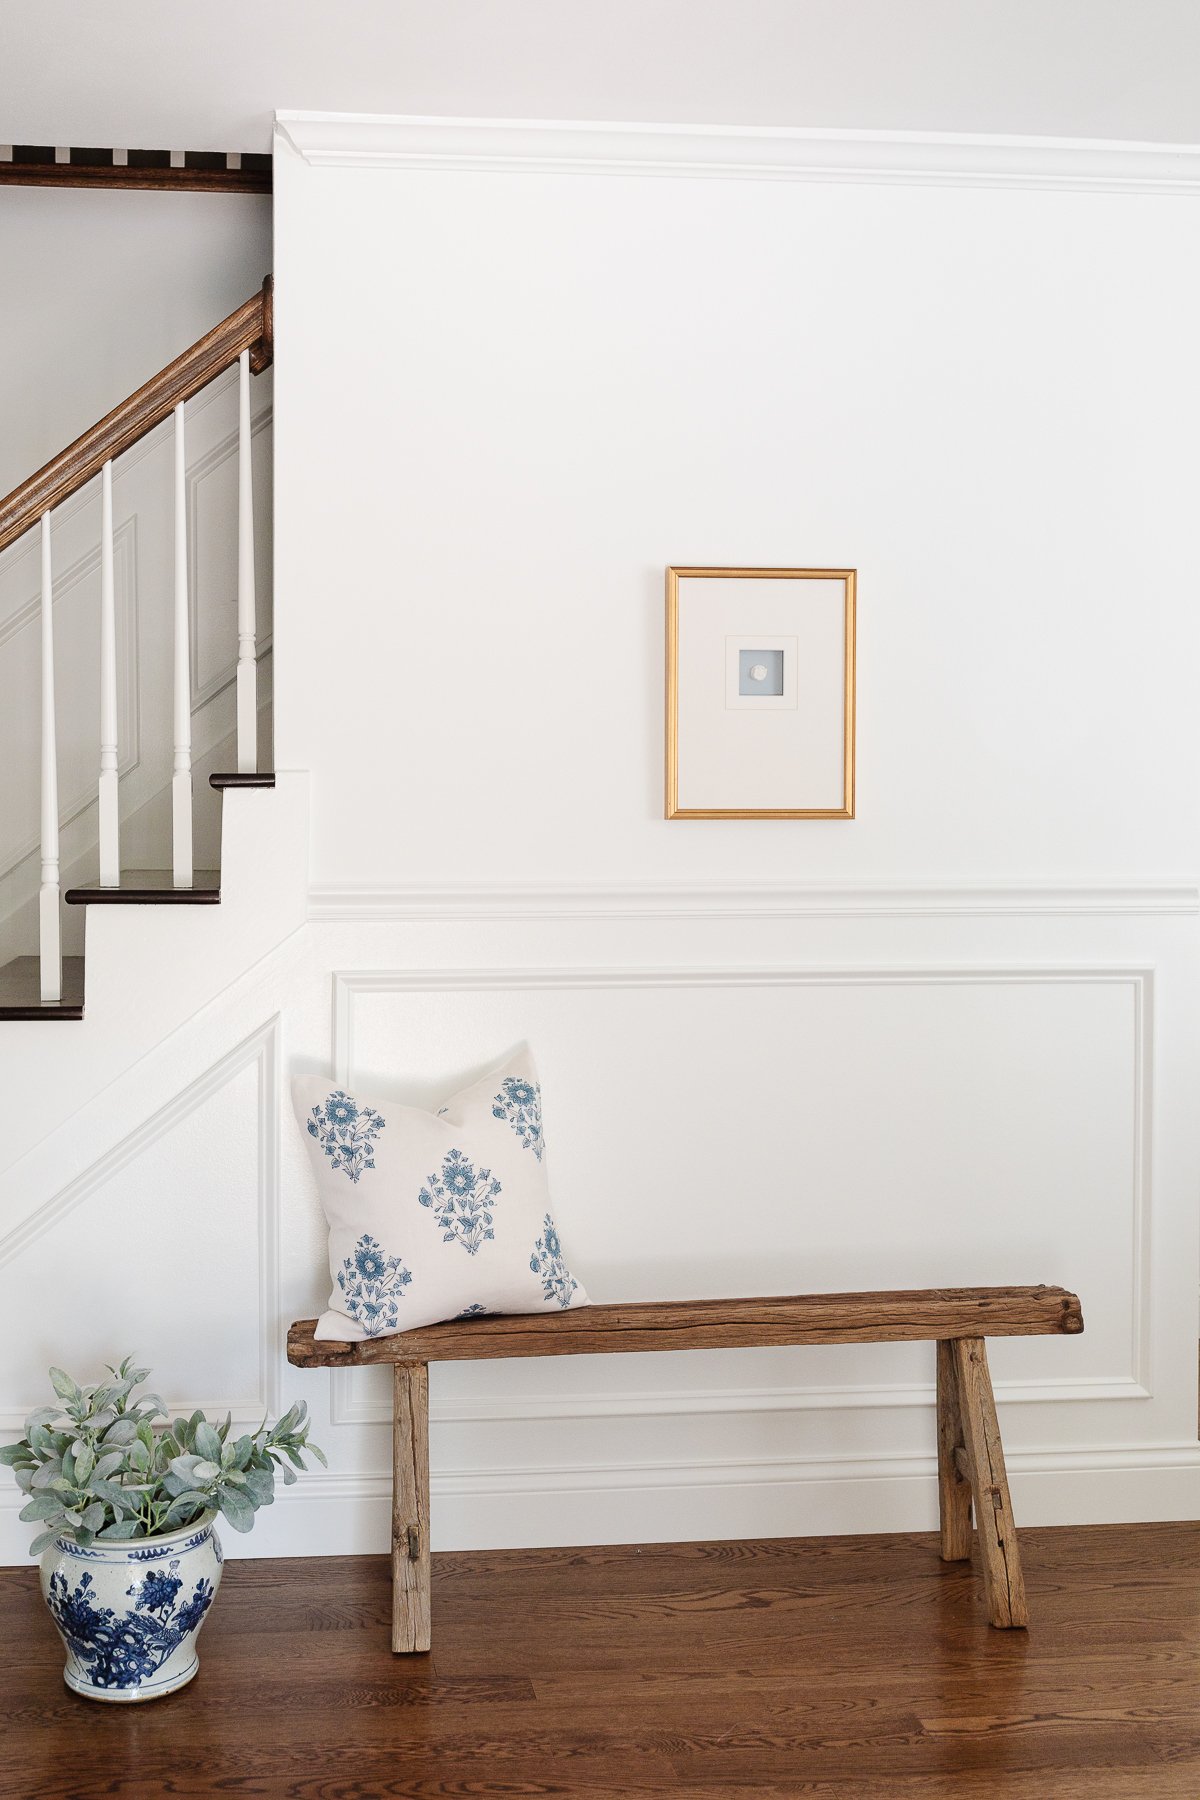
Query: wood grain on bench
x,y
874,1318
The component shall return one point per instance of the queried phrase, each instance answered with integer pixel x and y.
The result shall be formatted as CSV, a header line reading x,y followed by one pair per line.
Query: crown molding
x,y
761,153
759,900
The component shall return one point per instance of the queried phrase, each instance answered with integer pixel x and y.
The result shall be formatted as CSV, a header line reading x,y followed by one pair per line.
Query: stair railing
x,y
246,337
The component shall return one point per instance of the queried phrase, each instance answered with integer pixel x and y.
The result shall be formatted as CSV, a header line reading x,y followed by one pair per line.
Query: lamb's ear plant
x,y
106,1463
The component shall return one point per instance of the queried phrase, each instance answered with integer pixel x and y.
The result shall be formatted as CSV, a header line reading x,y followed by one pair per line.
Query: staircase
x,y
49,985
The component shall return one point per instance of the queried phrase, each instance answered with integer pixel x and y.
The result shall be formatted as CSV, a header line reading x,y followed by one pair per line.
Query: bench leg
x,y
982,1460
954,1489
410,1507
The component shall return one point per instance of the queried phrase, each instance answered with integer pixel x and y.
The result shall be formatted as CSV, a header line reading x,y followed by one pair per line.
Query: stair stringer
x,y
149,971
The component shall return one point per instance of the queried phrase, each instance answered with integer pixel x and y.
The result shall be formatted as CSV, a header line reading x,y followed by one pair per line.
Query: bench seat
x,y
971,1471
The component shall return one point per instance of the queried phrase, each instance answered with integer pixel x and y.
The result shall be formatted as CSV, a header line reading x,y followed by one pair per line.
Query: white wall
x,y
100,290
953,1040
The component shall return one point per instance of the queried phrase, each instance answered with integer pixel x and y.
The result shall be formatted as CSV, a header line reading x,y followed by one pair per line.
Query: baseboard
x,y
336,1513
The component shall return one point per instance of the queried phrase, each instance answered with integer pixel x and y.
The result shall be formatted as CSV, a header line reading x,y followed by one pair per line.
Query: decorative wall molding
x,y
262,1050
758,900
569,147
348,1406
347,1487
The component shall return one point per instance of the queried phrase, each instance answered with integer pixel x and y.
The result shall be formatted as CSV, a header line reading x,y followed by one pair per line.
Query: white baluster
x,y
50,943
247,674
110,830
181,781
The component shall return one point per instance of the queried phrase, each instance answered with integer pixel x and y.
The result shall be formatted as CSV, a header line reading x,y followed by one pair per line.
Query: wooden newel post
x,y
411,1624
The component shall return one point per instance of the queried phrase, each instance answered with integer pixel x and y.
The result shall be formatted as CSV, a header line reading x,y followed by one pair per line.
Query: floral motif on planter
x,y
373,1283
346,1133
548,1265
129,1613
460,1197
520,1102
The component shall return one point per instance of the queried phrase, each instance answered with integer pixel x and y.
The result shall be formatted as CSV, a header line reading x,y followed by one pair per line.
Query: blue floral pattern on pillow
x,y
346,1133
548,1265
373,1284
520,1102
460,1196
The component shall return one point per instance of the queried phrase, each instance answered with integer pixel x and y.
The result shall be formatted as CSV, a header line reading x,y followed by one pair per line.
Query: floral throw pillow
x,y
435,1215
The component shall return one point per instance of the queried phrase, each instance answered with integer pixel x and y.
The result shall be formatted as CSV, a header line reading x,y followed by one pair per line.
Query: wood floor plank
x,y
841,1668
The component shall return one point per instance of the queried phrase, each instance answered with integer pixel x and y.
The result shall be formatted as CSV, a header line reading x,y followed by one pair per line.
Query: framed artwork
x,y
760,693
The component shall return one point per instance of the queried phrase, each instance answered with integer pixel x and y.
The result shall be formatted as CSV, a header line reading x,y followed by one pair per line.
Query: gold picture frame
x,y
673,810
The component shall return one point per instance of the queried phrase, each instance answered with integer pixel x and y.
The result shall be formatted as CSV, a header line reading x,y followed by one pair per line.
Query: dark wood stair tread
x,y
151,887
235,780
20,990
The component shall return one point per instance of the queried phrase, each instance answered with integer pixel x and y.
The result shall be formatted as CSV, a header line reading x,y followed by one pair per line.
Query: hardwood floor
x,y
845,1668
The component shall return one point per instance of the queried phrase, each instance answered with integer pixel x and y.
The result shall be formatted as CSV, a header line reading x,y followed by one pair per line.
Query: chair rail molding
x,y
585,147
751,900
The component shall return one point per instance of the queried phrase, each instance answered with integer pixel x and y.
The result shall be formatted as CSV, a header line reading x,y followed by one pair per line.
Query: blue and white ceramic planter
x,y
129,1613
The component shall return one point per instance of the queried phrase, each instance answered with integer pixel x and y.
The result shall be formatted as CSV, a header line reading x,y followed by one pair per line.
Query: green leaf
x,y
63,1386
316,1450
12,1454
123,1431
236,1508
108,1464
261,1483
93,1517
48,1474
208,1443
139,1457
109,1491
42,1506
124,1528
206,1471
85,1462
41,1541
41,1415
192,1498
145,1433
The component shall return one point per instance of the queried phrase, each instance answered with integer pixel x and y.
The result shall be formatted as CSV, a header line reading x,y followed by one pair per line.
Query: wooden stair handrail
x,y
251,328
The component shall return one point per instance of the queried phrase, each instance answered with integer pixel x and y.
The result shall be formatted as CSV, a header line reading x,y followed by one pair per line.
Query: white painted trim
x,y
200,470
349,1406
262,1050
585,147
348,985
342,1513
758,900
26,616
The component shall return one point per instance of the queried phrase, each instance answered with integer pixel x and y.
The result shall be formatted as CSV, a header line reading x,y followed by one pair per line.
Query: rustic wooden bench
x,y
958,1320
